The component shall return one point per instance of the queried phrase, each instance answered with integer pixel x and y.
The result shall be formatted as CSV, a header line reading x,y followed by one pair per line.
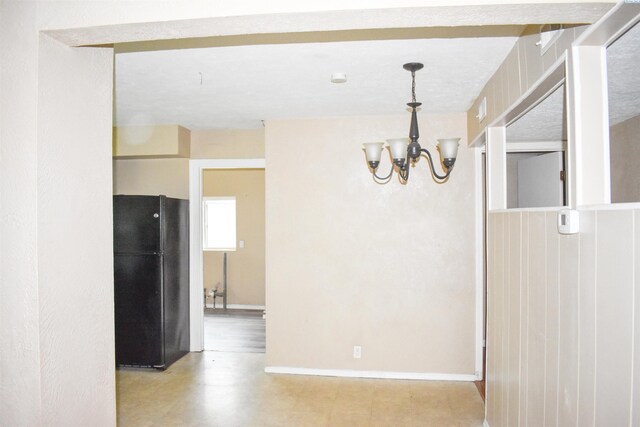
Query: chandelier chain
x,y
413,86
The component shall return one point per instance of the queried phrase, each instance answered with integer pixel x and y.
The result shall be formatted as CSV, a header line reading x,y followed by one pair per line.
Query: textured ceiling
x,y
238,86
237,70
623,71
544,122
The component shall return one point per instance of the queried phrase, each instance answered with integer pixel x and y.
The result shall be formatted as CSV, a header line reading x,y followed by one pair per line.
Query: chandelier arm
x,y
381,182
404,174
433,170
388,177
408,166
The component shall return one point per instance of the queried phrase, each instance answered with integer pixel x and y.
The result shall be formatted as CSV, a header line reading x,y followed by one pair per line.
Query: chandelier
x,y
405,152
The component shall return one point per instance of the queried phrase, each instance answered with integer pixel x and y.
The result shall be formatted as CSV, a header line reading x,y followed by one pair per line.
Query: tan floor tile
x,y
360,405
468,410
231,389
391,414
350,419
469,423
314,406
390,407
308,419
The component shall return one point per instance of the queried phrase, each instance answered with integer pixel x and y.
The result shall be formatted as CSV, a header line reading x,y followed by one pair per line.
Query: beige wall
x,y
56,252
75,232
625,154
389,268
152,177
518,73
151,141
246,266
171,176
563,320
227,144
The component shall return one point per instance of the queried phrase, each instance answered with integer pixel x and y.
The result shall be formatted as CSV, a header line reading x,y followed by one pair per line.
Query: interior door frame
x,y
196,263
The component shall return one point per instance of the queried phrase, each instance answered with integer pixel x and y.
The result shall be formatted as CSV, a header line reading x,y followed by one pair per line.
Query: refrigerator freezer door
x,y
176,279
136,224
138,310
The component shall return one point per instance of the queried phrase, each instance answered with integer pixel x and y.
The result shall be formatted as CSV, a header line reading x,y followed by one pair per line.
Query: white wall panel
x,y
495,306
568,329
587,319
513,336
551,324
635,415
491,408
524,318
504,321
614,317
536,339
564,328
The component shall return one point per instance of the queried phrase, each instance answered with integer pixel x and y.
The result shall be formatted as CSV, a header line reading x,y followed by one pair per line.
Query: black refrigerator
x,y
151,278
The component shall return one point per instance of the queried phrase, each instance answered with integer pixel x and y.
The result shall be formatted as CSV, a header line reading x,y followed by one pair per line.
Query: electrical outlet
x,y
357,352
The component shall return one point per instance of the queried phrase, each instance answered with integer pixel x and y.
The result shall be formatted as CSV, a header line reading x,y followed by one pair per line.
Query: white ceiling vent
x,y
482,110
548,36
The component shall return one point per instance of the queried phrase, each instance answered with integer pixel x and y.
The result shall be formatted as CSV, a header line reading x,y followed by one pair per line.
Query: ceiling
x,y
239,86
623,63
242,76
544,122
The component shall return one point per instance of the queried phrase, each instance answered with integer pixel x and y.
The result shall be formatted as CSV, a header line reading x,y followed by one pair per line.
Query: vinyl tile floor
x,y
231,389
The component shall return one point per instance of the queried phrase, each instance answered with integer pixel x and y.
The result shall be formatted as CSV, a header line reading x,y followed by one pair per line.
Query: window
x,y
219,226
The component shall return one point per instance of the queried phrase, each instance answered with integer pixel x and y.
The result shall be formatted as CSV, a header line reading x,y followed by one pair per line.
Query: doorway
x,y
197,171
233,227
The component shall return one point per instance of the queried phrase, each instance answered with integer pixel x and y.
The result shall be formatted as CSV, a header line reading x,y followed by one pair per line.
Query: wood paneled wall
x,y
518,73
563,334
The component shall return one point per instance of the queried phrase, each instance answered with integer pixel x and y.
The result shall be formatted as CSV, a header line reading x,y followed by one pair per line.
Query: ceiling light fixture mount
x,y
338,78
405,152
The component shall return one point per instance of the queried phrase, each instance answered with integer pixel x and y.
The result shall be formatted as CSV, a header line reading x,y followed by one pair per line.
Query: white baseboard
x,y
485,423
369,374
245,307
238,306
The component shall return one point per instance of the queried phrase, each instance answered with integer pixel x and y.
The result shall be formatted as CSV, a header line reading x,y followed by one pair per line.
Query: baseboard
x,y
369,374
245,307
485,423
239,306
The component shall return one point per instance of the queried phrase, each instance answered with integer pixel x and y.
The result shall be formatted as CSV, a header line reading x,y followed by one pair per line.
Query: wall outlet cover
x,y
357,352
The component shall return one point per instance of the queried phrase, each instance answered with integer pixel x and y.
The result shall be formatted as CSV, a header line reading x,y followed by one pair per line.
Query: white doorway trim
x,y
480,256
196,168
